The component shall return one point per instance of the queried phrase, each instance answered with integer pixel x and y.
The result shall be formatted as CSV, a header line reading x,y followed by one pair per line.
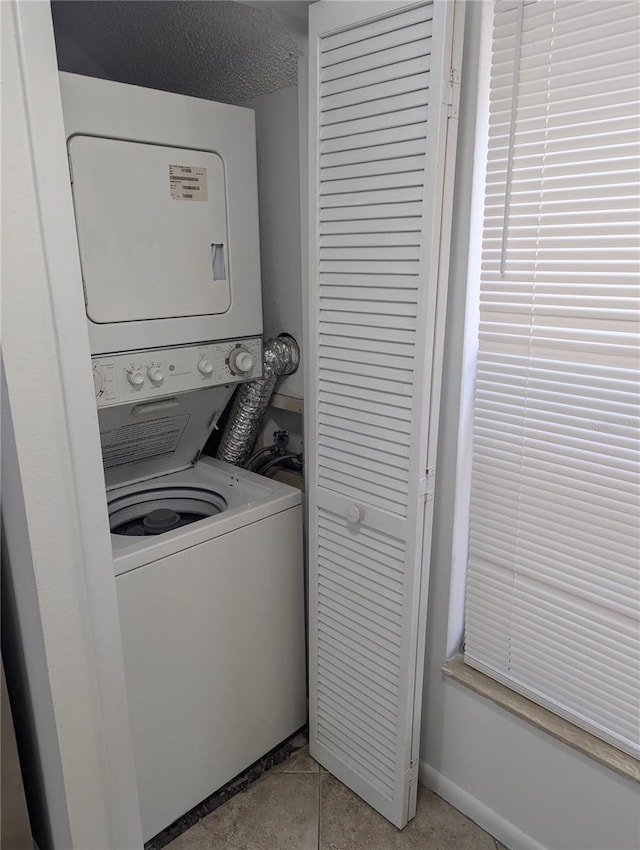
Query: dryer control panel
x,y
158,372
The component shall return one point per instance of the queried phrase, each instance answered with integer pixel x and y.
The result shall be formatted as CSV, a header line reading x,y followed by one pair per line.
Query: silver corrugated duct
x,y
281,356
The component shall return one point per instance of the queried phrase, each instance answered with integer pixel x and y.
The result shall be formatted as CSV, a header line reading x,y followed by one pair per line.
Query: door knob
x,y
353,513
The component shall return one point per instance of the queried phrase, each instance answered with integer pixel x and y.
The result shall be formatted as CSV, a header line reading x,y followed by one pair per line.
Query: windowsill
x,y
543,719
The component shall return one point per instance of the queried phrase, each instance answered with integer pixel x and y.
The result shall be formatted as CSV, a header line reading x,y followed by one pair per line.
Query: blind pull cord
x,y
517,50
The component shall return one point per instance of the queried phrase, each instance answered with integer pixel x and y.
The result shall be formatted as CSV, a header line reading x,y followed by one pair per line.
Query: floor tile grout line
x,y
362,813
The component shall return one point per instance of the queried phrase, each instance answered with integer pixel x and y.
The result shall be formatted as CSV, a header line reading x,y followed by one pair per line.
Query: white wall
x,y
280,239
279,200
526,788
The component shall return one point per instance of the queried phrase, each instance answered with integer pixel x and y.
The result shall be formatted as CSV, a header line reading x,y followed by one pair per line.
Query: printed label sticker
x,y
141,440
188,183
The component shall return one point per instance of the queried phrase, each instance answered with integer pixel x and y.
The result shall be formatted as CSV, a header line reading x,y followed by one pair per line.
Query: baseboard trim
x,y
478,812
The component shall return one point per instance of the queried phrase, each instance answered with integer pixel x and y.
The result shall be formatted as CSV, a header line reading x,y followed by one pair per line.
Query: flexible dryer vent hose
x,y
281,356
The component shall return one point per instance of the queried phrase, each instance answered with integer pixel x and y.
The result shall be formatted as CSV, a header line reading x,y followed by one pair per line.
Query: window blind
x,y
553,584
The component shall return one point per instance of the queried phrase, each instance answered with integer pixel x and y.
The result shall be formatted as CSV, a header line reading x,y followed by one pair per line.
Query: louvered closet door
x,y
378,132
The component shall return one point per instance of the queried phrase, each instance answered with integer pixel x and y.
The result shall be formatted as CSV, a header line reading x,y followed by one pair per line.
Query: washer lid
x,y
150,438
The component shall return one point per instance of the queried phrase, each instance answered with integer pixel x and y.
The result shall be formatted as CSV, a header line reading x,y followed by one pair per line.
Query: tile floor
x,y
298,806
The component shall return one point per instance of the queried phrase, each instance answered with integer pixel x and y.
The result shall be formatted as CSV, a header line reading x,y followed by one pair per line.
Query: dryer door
x,y
152,230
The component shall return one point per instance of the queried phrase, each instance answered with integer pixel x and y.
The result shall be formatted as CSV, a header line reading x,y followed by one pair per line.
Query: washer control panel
x,y
120,378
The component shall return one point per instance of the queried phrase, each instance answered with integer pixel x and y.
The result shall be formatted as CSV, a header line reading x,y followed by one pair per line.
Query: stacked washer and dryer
x,y
207,556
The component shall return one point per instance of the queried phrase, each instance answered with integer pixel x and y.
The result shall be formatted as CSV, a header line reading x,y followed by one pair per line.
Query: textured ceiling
x,y
215,49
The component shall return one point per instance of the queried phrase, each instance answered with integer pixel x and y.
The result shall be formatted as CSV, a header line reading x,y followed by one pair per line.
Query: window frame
x,y
456,668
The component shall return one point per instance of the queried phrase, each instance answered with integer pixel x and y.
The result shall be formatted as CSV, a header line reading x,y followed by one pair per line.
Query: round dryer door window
x,y
153,511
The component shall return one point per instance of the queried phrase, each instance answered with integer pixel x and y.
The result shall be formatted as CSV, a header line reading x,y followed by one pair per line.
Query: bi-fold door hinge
x,y
426,484
452,98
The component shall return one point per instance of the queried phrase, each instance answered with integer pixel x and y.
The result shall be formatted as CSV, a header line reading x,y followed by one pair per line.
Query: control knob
x,y
135,378
155,375
240,361
205,367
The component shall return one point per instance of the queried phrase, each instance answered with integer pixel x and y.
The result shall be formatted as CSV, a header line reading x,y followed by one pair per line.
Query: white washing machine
x,y
209,578
208,557
212,621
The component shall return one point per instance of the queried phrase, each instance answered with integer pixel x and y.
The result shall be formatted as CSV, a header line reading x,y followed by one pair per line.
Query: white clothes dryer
x,y
165,194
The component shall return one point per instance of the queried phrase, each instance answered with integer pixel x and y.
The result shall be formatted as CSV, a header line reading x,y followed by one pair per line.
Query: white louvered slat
x,y
376,108
360,38
553,596
375,95
375,167
378,153
353,84
332,394
374,46
416,130
368,183
377,240
401,46
377,163
384,120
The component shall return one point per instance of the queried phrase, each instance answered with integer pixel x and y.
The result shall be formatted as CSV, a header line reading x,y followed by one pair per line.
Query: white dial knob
x,y
98,380
205,367
155,375
135,378
240,361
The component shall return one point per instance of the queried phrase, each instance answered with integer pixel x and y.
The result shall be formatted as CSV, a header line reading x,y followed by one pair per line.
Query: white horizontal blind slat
x,y
553,592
